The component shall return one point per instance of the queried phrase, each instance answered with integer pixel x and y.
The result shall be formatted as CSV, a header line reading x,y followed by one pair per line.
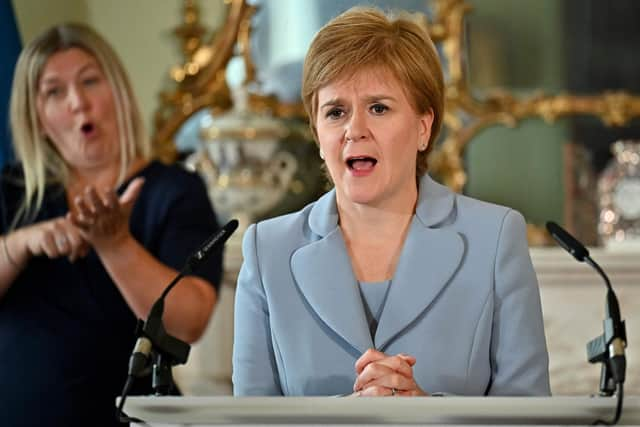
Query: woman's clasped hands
x,y
381,375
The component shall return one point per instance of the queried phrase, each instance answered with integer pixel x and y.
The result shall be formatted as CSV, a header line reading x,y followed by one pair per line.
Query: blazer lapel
x,y
430,257
323,273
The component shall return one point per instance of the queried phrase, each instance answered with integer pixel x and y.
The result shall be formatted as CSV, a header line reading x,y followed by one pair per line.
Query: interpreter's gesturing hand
x,y
54,238
104,218
382,375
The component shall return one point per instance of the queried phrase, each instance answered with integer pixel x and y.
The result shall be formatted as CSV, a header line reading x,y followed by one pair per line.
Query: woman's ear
x,y
426,122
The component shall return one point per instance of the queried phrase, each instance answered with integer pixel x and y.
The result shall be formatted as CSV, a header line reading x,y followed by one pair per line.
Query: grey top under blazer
x,y
464,301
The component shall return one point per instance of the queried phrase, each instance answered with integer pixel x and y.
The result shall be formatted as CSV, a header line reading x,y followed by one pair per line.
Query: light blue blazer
x,y
464,301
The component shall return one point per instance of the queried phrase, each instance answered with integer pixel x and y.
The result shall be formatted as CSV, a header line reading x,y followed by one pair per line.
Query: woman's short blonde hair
x,y
41,162
364,37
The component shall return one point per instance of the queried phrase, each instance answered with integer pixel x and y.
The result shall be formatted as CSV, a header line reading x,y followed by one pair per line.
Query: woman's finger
x,y
383,369
375,391
383,366
110,198
76,241
131,194
94,201
371,355
392,381
84,214
399,364
371,372
48,244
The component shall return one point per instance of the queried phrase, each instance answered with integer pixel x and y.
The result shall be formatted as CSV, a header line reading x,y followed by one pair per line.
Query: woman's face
x,y
370,135
77,112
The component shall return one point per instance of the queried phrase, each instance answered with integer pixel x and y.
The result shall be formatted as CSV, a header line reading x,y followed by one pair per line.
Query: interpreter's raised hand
x,y
103,217
383,375
54,238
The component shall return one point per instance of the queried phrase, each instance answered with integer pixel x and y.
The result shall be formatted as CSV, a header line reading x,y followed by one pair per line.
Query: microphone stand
x,y
608,348
154,343
164,350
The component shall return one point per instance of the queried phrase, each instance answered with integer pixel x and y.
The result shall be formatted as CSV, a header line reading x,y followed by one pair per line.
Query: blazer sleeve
x,y
519,359
254,367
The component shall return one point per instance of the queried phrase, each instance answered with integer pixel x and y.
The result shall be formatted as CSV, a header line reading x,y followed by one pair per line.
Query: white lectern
x,y
206,411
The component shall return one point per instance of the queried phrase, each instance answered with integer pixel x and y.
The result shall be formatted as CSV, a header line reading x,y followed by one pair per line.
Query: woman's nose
x,y
356,127
77,99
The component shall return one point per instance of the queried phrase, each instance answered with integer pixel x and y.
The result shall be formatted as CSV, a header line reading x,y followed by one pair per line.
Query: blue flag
x,y
10,42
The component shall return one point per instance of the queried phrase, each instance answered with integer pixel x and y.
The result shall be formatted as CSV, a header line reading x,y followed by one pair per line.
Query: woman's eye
x,y
335,113
52,92
379,108
91,81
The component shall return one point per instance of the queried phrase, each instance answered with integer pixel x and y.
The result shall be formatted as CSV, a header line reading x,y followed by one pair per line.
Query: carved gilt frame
x,y
199,82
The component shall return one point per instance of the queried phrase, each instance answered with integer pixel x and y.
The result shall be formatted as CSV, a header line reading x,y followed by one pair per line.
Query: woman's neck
x,y
373,223
374,237
381,220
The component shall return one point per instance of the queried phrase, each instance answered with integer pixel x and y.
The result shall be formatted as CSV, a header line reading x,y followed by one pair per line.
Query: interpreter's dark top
x,y
66,332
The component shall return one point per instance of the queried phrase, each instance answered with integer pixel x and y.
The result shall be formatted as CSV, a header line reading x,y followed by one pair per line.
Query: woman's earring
x,y
321,155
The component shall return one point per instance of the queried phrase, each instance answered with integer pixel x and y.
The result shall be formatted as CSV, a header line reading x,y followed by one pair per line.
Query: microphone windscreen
x,y
212,244
567,241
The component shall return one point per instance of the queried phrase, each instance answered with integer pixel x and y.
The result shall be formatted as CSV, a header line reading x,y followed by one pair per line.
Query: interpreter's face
x,y
76,111
370,135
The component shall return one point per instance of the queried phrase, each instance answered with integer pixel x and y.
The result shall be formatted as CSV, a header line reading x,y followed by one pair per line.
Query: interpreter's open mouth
x,y
359,163
87,128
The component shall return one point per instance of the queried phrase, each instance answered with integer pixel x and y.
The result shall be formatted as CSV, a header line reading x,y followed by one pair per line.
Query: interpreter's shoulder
x,y
170,176
168,186
12,174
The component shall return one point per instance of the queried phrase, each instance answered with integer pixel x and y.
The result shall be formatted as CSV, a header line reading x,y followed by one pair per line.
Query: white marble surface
x,y
572,295
321,411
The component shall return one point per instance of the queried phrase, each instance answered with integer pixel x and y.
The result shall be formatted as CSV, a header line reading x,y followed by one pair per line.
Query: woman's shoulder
x,y
174,175
481,207
486,217
169,181
290,227
440,204
12,174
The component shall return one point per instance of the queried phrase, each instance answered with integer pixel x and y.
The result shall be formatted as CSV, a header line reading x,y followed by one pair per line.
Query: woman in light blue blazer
x,y
390,284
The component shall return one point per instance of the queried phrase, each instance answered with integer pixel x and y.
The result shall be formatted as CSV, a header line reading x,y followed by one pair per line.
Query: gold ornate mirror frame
x,y
200,82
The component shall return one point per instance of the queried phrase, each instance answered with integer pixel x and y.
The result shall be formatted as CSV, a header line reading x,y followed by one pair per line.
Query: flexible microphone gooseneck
x,y
152,336
607,348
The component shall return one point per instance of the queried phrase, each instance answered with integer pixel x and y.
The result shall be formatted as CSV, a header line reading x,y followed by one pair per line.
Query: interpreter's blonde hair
x,y
366,37
41,162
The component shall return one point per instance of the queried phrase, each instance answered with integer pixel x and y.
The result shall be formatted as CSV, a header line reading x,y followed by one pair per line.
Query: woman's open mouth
x,y
88,129
361,163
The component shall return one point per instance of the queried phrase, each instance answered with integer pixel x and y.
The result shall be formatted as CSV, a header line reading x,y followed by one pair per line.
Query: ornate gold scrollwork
x,y
500,107
199,82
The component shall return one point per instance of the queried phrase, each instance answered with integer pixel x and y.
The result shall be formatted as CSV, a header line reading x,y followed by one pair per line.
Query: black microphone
x,y
567,241
609,347
212,244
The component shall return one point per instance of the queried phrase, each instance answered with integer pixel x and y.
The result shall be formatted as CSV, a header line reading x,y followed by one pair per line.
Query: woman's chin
x,y
362,196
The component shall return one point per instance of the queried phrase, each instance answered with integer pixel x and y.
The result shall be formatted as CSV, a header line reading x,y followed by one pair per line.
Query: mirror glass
x,y
283,30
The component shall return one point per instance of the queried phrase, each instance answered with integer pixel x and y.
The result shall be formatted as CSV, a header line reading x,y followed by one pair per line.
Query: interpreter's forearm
x,y
141,279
